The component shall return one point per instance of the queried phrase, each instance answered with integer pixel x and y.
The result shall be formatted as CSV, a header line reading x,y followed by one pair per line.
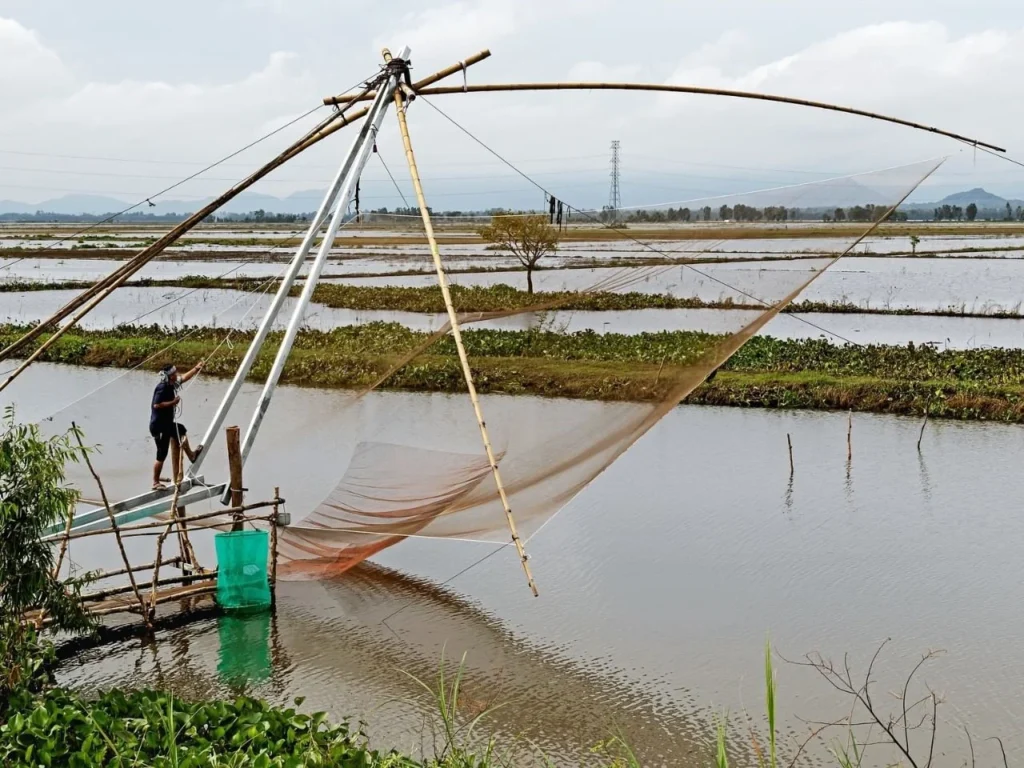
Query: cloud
x,y
28,69
454,28
595,71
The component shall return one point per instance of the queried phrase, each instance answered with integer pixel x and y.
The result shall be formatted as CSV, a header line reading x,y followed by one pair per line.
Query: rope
x,y
123,211
628,236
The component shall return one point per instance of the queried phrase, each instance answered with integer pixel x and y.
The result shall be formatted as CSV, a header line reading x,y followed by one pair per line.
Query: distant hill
x,y
979,197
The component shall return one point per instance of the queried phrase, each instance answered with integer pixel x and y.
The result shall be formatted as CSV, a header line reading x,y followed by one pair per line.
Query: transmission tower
x,y
614,197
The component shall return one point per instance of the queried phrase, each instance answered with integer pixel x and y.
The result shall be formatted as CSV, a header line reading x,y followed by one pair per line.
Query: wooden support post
x,y
453,320
113,526
235,470
849,437
924,424
273,549
789,442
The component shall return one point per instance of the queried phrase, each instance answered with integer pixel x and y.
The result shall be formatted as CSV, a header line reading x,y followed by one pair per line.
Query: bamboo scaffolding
x,y
91,297
453,321
113,525
103,594
125,529
691,89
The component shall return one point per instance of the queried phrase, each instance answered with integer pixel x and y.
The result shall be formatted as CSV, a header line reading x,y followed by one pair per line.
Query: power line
x,y
648,246
113,216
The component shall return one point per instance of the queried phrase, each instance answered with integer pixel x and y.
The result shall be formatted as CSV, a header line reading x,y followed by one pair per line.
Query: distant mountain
x,y
979,197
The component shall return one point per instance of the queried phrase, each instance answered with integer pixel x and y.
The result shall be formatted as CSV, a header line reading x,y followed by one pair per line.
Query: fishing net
x,y
413,464
422,487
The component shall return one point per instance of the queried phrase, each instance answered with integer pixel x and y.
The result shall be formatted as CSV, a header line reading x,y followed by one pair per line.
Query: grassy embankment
x,y
970,384
501,297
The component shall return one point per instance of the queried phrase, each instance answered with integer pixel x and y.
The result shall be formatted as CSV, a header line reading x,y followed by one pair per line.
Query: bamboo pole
x,y
273,549
113,526
920,436
235,469
65,539
789,442
457,335
503,87
105,287
849,437
91,297
103,594
462,66
101,575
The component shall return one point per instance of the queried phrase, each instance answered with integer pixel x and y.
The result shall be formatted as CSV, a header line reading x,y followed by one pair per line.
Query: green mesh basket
x,y
242,583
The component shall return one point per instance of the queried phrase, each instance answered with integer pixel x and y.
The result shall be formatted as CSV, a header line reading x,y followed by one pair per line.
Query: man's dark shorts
x,y
162,436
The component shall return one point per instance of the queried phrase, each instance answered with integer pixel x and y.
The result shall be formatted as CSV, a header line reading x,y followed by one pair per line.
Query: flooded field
x,y
231,309
658,582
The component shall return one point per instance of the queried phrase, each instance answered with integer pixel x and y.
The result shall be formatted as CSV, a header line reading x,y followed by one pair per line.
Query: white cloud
x,y
595,71
29,71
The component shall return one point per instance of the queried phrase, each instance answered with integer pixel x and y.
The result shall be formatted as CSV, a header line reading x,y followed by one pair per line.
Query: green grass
x,y
767,373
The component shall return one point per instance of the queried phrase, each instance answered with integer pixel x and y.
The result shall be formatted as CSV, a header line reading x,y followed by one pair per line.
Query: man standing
x,y
163,426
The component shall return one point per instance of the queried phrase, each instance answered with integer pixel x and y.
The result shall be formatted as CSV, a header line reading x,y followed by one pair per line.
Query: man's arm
x,y
191,374
167,403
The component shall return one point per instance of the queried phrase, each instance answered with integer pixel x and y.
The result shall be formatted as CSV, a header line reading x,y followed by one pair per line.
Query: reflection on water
x,y
658,582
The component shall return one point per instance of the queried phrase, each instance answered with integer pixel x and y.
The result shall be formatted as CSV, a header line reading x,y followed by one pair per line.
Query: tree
x,y
972,211
706,210
914,240
839,215
684,214
725,213
528,237
33,497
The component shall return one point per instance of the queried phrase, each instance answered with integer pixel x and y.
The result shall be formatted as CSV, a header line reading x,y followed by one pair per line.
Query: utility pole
x,y
614,197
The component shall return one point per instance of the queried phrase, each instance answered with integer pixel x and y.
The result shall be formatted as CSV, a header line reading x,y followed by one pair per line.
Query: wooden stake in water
x,y
789,442
924,424
235,473
849,437
453,320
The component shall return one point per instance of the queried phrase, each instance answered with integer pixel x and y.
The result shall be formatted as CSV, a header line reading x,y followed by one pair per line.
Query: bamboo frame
x,y
113,526
453,321
91,297
691,89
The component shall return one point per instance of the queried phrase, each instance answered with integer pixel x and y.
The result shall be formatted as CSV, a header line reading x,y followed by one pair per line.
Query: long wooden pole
x,y
91,297
235,472
457,335
503,87
113,525
424,83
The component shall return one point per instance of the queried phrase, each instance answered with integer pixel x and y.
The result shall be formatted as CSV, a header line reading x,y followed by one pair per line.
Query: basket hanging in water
x,y
242,583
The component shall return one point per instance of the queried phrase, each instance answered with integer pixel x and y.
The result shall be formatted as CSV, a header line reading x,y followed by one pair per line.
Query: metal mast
x,y
614,196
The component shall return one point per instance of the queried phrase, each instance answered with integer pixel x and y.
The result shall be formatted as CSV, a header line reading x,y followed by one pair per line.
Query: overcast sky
x,y
123,98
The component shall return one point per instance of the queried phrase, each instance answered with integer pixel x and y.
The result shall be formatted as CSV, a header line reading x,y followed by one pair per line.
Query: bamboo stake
x,y
64,542
501,87
920,437
789,442
273,549
849,437
457,335
113,525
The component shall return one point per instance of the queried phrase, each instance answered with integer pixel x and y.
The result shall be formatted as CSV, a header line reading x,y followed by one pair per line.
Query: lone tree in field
x,y
529,237
972,211
914,241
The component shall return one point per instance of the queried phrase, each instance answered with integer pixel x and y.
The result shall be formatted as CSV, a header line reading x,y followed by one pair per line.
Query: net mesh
x,y
413,464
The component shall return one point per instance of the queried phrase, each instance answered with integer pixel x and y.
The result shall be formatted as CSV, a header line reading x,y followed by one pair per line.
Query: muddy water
x,y
658,582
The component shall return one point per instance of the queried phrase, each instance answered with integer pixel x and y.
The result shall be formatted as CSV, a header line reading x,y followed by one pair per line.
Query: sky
x,y
124,98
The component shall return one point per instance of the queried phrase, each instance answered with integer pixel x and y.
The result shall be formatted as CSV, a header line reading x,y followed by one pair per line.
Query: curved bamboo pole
x,y
453,322
692,89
